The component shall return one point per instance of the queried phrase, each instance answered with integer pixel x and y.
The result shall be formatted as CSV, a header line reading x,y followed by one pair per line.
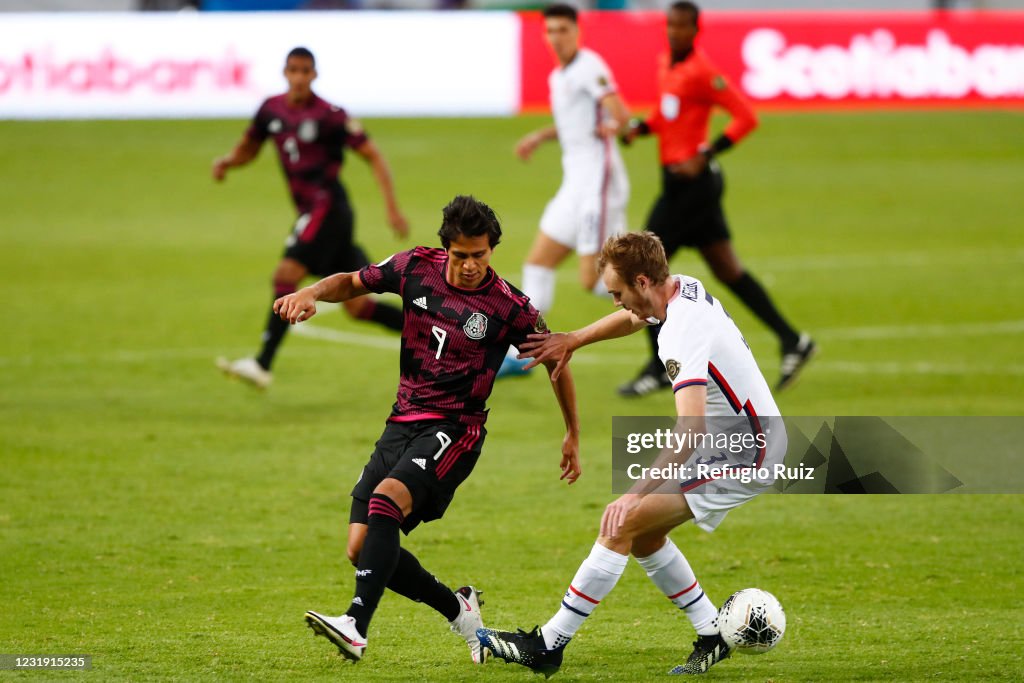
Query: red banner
x,y
811,59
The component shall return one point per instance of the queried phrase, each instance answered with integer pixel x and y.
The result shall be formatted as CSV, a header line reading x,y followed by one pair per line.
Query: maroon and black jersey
x,y
310,143
453,339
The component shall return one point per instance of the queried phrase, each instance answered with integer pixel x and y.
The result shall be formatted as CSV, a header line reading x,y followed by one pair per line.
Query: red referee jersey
x,y
687,92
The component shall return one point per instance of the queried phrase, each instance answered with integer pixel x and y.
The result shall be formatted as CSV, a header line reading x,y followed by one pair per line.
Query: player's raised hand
x,y
220,168
570,458
297,306
398,222
554,347
527,145
615,514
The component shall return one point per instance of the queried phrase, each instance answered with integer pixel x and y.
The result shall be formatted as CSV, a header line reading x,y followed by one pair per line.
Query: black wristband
x,y
721,143
640,126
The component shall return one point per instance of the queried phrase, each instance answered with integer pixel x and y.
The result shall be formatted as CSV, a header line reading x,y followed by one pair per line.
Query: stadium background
x,y
175,525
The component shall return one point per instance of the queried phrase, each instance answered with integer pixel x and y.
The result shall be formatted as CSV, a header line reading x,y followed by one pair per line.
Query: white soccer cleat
x,y
468,621
247,370
341,631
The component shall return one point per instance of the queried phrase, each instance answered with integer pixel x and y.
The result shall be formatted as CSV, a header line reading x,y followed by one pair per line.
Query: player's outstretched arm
x,y
382,173
529,143
301,305
565,391
245,151
558,348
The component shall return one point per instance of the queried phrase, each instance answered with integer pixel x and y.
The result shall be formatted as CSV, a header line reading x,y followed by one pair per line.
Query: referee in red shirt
x,y
688,213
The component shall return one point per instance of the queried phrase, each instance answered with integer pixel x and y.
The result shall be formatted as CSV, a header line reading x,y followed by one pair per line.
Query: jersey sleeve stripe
x,y
688,383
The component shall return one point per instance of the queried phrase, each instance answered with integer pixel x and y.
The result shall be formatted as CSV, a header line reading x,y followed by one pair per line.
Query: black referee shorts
x,y
322,241
431,457
688,213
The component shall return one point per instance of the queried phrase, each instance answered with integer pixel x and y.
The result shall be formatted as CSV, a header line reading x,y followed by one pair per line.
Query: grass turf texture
x,y
175,525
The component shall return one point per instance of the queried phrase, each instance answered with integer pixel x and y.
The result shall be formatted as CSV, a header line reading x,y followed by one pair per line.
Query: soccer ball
x,y
752,621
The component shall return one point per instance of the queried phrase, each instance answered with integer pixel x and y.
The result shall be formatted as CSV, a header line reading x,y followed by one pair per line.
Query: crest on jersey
x,y
602,81
672,367
307,130
689,291
541,326
476,326
354,127
669,107
718,82
275,126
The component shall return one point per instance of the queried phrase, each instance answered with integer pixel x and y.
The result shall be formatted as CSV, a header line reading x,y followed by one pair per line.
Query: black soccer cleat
x,y
794,359
523,648
707,651
645,383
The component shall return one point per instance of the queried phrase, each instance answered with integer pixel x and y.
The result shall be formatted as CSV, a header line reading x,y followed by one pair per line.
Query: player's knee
x,y
358,308
727,272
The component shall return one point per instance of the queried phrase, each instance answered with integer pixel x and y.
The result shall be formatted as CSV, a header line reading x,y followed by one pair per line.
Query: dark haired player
x,y
688,213
459,320
310,135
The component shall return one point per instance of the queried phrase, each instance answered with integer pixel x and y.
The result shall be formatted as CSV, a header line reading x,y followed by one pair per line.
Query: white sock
x,y
539,285
671,573
600,290
594,579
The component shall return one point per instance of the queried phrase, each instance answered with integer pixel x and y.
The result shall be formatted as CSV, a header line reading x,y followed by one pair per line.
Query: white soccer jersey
x,y
591,203
700,344
576,93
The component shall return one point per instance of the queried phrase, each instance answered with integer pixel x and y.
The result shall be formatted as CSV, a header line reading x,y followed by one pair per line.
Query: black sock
x,y
416,583
757,300
377,559
383,314
654,366
272,337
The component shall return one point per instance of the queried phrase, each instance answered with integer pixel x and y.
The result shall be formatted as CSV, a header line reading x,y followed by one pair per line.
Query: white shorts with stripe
x,y
711,500
590,205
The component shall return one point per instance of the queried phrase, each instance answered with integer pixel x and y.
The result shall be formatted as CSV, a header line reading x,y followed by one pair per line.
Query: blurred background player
x,y
719,390
591,203
460,319
688,213
310,135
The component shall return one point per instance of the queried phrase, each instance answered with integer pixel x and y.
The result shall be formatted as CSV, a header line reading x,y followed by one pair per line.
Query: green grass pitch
x,y
176,526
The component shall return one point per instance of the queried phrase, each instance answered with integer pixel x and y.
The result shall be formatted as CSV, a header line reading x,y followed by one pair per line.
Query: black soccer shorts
x,y
688,213
322,241
431,457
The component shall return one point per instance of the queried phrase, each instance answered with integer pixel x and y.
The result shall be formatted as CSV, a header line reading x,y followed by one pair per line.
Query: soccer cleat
x,y
469,621
707,651
341,631
523,648
513,367
246,369
645,383
794,359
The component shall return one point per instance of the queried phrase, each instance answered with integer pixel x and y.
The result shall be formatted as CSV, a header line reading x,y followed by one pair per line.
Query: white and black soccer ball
x,y
752,621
